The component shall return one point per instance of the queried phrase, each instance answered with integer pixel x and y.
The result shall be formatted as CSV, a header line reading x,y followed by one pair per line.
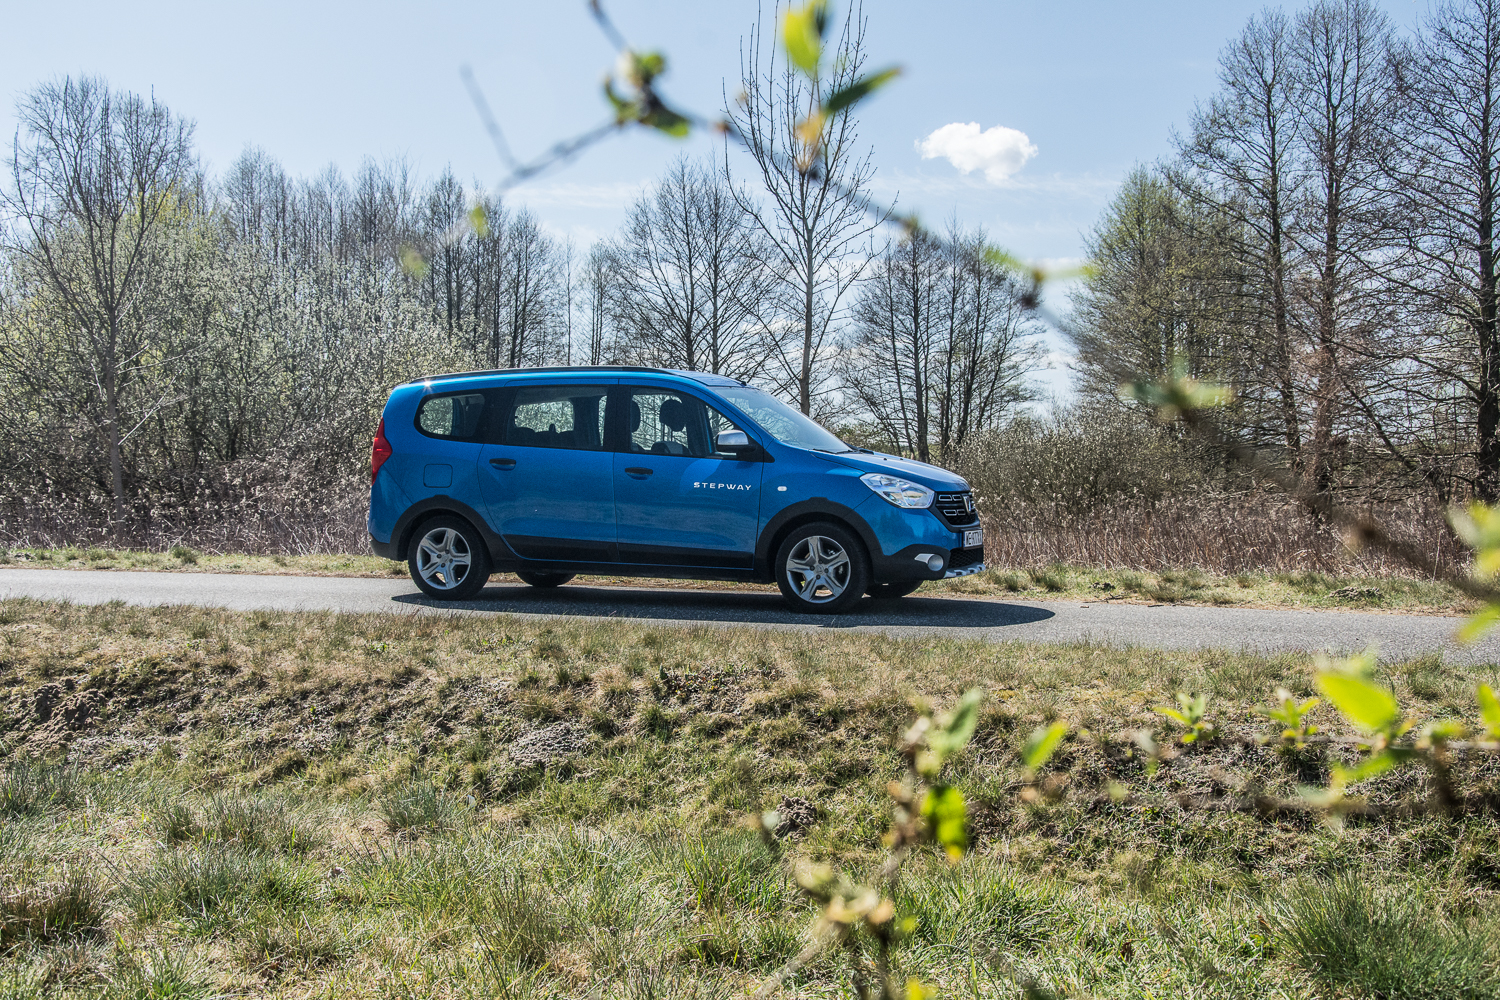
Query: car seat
x,y
673,416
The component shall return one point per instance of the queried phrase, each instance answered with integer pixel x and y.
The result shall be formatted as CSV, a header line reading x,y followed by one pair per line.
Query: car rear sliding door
x,y
548,478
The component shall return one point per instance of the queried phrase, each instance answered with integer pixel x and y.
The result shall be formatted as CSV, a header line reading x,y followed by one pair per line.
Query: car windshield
x,y
784,423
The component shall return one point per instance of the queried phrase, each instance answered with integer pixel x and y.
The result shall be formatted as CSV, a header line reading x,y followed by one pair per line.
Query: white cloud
x,y
1000,152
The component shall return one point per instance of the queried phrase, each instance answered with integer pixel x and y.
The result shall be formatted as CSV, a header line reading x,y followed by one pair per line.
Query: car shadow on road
x,y
736,607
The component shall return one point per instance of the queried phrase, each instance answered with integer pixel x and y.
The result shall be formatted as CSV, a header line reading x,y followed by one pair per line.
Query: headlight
x,y
900,492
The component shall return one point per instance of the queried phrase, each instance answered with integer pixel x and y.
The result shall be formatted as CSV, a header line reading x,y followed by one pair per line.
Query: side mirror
x,y
734,443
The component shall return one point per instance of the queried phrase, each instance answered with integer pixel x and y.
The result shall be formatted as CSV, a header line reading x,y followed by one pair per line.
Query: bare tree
x,y
1155,301
531,295
941,343
691,275
598,281
1345,90
1444,169
896,320
1244,143
815,213
988,343
95,176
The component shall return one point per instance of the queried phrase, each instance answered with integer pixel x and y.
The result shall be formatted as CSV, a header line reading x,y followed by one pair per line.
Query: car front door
x,y
548,479
678,502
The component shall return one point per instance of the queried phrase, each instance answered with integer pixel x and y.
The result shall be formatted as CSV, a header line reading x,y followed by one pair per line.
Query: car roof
x,y
702,378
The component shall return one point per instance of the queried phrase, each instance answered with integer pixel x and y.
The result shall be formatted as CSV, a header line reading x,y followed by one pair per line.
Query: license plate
x,y
974,539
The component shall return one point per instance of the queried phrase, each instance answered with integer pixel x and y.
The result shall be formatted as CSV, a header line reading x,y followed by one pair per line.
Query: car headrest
x,y
673,415
635,416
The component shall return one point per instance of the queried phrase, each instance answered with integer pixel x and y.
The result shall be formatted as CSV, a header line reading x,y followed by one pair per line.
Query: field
x,y
202,803
1307,589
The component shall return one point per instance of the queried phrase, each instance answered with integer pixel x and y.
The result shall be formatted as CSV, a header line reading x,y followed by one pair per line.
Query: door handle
x,y
638,472
503,463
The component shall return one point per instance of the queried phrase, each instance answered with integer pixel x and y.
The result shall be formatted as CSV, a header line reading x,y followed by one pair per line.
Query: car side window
x,y
557,416
663,422
455,417
718,423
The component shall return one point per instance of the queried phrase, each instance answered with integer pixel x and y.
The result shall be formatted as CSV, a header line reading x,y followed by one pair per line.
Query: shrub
x,y
31,787
70,908
415,805
1351,934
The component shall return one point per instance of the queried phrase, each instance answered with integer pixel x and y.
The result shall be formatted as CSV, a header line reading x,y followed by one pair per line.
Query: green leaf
x,y
1371,766
479,221
859,90
1042,744
413,263
1444,729
649,66
802,35
666,120
1489,709
1364,703
959,726
1172,714
1480,622
1479,527
953,731
944,808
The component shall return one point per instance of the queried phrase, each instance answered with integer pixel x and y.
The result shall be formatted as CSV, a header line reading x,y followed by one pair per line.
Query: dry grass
x,y
1302,589
372,806
1225,534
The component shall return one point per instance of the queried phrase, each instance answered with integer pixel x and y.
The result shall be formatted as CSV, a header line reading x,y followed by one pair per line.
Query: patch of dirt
x,y
550,743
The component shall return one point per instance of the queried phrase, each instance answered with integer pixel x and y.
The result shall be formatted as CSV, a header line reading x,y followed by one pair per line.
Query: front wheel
x,y
821,569
884,591
544,580
449,560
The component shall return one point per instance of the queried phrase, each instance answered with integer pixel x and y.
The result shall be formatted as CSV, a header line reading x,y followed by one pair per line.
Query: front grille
x,y
965,557
956,509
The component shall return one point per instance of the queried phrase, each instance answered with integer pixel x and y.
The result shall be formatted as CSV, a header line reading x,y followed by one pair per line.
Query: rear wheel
x,y
544,580
821,568
449,560
883,591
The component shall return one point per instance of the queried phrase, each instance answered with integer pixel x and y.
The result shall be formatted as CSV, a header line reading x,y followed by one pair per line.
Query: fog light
x,y
935,563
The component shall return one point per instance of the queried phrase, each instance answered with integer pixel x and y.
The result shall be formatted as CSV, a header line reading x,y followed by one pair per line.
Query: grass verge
x,y
211,803
1303,589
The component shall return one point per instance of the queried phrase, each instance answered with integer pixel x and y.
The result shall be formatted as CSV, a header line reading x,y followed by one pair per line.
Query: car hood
x,y
930,476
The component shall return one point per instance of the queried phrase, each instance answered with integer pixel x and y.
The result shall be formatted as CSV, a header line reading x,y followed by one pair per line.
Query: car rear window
x,y
455,417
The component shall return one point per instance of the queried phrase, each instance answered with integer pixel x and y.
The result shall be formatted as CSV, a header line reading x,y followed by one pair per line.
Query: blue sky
x,y
1096,87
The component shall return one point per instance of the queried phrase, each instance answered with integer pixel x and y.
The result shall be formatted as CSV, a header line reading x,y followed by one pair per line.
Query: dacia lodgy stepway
x,y
551,472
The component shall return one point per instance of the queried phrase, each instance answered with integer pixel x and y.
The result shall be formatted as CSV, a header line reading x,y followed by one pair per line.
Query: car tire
x,y
822,568
544,580
887,591
449,559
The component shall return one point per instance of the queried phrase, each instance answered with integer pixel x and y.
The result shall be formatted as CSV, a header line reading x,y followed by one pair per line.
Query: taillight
x,y
380,452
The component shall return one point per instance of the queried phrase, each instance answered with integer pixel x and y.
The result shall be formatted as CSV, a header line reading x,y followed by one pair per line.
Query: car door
x,y
677,501
548,476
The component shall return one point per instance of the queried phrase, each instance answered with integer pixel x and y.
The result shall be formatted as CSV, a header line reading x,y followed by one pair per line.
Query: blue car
x,y
551,472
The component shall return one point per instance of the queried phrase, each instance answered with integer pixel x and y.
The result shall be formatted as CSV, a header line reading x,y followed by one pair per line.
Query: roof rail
x,y
696,376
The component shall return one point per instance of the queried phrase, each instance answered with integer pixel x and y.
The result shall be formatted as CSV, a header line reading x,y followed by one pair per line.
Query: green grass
x,y
291,805
1307,589
184,559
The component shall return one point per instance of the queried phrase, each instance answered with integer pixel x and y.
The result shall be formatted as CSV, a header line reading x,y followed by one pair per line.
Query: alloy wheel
x,y
818,568
443,558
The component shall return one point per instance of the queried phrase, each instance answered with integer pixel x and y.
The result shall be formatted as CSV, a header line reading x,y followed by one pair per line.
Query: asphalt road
x,y
992,619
